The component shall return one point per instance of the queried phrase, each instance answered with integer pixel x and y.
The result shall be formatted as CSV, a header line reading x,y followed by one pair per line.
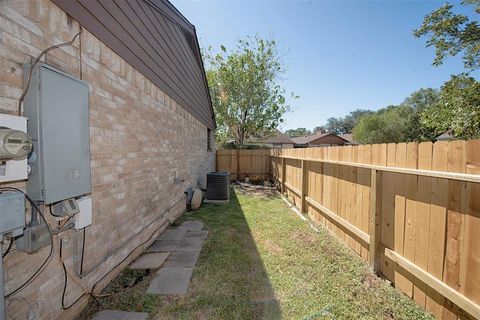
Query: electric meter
x,y
14,144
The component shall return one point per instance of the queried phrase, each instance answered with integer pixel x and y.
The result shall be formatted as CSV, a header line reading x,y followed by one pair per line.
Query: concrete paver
x,y
172,234
189,245
150,260
163,246
191,225
181,259
171,280
196,234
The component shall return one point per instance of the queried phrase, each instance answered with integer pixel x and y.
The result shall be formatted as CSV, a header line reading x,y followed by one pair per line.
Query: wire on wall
x,y
80,68
50,254
4,254
64,44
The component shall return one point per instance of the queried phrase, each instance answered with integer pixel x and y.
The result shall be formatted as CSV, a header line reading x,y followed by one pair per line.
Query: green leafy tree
x,y
387,125
451,33
299,132
244,82
457,110
345,124
417,103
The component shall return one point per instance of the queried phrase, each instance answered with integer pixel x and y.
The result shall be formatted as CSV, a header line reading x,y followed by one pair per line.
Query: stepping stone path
x,y
185,244
175,252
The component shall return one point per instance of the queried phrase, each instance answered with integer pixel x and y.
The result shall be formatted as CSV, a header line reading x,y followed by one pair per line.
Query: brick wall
x,y
145,151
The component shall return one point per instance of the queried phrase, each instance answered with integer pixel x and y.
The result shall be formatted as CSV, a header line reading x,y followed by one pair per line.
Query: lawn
x,y
261,261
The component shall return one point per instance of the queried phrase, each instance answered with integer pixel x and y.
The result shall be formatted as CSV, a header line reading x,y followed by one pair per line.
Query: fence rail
x,y
411,210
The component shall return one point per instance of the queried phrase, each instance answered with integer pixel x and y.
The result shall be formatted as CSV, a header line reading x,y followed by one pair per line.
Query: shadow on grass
x,y
230,280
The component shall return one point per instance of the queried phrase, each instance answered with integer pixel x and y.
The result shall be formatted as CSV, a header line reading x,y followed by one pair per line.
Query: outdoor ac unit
x,y
218,186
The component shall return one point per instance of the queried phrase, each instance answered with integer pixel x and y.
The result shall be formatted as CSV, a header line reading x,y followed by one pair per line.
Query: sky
x,y
340,55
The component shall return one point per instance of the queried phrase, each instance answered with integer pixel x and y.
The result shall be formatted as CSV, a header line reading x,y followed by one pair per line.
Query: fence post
x,y
282,186
374,226
238,164
303,187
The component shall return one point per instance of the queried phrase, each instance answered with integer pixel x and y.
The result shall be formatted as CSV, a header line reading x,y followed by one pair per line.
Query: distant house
x,y
320,140
278,140
446,136
349,137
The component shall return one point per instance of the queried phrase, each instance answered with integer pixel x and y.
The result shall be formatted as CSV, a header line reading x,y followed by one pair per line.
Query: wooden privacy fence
x,y
240,163
411,210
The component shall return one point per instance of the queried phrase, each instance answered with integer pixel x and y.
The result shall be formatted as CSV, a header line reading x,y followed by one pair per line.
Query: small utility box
x,y
12,213
57,108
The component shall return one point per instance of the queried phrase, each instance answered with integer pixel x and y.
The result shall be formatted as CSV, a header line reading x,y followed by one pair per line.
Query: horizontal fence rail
x,y
412,210
417,172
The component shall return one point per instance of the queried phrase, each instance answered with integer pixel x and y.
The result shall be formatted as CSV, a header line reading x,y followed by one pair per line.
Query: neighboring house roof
x,y
445,136
157,40
348,137
314,137
277,137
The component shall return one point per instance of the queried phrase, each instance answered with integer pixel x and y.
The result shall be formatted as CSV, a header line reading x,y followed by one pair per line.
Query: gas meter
x,y
14,144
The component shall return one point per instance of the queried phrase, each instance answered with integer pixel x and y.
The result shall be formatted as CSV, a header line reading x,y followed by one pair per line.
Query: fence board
x,y
388,210
438,216
470,274
455,223
422,219
400,278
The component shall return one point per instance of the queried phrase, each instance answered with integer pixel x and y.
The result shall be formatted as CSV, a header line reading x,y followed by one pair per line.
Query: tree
x,y
245,88
457,110
385,126
299,132
451,33
319,129
347,123
399,123
417,102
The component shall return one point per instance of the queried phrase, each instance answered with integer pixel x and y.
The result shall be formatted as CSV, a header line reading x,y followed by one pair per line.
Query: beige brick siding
x,y
145,151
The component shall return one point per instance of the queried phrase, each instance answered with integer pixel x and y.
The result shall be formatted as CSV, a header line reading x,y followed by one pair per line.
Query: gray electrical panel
x,y
56,106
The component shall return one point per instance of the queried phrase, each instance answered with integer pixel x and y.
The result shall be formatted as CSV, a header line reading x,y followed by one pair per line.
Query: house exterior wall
x,y
286,145
146,150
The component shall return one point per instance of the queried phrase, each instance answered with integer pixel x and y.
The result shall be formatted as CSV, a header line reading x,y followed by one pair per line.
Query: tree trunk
x,y
241,135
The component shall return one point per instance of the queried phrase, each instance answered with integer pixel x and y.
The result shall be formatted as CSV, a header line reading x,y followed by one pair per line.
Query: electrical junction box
x,y
13,170
65,208
56,105
84,217
12,213
34,238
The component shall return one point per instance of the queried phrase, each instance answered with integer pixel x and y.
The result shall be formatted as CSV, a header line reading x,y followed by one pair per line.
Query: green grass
x,y
260,261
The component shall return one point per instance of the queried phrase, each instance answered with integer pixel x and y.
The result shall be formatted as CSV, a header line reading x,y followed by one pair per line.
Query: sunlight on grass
x,y
260,261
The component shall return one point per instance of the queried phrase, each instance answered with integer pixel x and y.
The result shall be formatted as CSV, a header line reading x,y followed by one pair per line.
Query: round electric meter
x,y
14,144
